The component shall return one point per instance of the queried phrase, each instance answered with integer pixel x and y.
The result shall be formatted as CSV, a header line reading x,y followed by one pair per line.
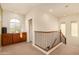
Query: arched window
x,y
14,26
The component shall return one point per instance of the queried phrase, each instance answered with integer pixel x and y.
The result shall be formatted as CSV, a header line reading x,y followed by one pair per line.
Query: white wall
x,y
41,21
67,20
7,15
45,22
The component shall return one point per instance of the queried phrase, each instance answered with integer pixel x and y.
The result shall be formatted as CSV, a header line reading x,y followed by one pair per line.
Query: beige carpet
x,y
27,49
20,49
66,50
71,48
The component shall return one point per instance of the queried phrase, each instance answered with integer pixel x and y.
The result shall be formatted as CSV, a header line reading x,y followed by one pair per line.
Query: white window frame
x,y
74,29
64,28
15,21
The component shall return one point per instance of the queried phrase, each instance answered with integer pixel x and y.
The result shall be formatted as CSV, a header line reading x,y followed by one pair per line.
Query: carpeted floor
x,y
71,48
27,49
66,50
20,49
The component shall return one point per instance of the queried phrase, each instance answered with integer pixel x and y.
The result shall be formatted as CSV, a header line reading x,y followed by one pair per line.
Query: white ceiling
x,y
58,9
21,8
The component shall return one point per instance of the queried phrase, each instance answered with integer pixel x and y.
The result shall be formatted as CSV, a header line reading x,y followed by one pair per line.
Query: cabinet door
x,y
24,37
6,39
16,38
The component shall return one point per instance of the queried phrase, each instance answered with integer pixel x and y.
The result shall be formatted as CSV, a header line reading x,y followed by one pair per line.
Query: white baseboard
x,y
40,49
47,52
54,48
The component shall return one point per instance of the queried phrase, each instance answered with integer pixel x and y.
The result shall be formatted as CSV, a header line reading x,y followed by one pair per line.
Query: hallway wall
x,y
45,22
67,20
7,16
42,21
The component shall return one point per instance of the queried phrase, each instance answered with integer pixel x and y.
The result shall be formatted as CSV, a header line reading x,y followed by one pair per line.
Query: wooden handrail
x,y
61,35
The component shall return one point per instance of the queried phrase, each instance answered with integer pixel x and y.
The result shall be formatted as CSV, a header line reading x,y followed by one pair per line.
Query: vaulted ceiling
x,y
56,9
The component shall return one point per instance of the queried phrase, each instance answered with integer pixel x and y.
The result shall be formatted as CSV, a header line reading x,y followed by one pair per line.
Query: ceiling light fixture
x,y
50,10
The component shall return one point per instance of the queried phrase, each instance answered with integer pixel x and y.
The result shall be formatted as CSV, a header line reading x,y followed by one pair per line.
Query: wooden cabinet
x,y
6,39
13,38
16,38
24,36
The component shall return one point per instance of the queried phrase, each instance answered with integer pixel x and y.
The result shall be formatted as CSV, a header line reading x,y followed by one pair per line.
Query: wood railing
x,y
48,40
62,38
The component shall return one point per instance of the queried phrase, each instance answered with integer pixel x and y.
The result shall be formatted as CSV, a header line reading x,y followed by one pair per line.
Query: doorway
x,y
30,31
